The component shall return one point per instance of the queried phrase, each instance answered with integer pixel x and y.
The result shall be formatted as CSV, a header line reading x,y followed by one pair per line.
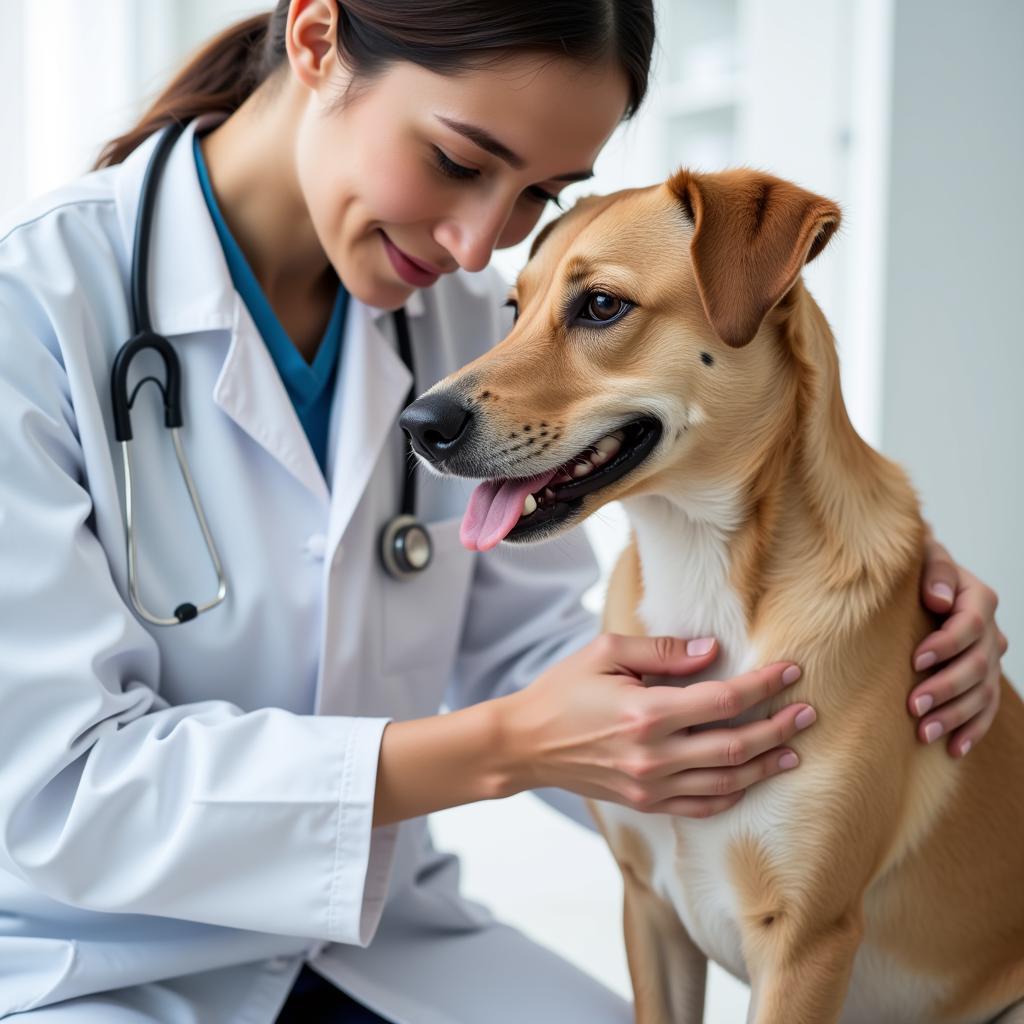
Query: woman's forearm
x,y
428,764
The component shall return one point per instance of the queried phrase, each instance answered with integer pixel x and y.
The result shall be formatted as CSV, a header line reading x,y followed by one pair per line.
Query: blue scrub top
x,y
309,386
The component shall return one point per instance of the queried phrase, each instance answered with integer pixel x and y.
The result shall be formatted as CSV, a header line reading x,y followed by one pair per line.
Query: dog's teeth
x,y
609,445
599,458
582,469
549,495
529,505
563,477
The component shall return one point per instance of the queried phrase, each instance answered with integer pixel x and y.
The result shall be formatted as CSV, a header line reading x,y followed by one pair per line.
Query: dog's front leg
x,y
667,969
802,974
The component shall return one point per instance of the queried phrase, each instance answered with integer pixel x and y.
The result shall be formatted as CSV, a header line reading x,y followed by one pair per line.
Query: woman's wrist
x,y
428,764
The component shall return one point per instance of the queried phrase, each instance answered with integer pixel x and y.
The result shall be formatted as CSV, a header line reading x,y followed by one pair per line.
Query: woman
x,y
190,813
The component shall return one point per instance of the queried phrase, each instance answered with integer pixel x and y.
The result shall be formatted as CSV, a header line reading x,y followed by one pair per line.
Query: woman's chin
x,y
383,290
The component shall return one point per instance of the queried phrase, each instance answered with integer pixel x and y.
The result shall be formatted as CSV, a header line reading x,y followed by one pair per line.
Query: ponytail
x,y
221,76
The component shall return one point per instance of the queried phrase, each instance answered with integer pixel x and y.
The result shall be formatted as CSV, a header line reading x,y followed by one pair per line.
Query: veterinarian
x,y
220,677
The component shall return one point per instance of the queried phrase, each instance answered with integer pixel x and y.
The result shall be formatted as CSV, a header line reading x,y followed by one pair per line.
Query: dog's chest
x,y
687,593
691,864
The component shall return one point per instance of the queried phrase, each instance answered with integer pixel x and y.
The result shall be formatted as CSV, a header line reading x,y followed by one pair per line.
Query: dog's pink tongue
x,y
494,508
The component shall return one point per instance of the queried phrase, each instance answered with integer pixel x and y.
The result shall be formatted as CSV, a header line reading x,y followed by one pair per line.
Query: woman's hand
x,y
590,725
961,697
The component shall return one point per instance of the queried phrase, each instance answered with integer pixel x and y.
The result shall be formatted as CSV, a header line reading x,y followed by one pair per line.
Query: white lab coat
x,y
185,812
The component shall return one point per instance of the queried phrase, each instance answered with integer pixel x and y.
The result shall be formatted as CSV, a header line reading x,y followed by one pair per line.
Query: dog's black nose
x,y
437,424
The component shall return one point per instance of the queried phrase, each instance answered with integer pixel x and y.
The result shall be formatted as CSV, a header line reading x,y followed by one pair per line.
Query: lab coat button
x,y
316,547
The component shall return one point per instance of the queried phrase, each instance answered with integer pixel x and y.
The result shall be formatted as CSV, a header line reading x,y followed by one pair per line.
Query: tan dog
x,y
668,355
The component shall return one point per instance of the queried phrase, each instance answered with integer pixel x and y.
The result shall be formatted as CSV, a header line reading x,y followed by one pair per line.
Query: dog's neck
x,y
822,514
684,546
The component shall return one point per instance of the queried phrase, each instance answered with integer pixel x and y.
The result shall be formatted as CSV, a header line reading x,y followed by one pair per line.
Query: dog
x,y
667,355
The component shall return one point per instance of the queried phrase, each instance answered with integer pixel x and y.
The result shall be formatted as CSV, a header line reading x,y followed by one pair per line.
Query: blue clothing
x,y
314,1000
309,386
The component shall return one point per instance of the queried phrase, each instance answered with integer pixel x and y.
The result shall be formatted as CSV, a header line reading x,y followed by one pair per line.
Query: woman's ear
x,y
753,234
310,41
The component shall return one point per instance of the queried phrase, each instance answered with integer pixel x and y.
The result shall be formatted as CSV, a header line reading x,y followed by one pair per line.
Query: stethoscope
x,y
405,544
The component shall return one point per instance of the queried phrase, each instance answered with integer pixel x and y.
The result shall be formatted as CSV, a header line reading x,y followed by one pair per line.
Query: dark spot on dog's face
x,y
707,358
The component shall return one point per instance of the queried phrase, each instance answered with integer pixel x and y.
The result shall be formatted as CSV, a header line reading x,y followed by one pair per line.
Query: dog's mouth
x,y
528,509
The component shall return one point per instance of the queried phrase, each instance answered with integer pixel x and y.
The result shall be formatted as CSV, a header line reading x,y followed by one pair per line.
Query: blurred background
x,y
910,113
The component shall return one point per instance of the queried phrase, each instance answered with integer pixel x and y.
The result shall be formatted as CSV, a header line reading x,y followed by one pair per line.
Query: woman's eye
x,y
602,308
450,168
539,195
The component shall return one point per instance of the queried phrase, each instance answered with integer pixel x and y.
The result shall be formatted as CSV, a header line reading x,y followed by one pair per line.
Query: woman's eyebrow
x,y
486,141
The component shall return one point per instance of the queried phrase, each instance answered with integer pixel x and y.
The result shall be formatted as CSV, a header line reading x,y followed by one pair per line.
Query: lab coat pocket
x,y
423,615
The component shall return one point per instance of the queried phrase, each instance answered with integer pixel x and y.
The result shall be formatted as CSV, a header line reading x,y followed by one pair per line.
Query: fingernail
x,y
924,661
698,648
943,591
965,748
788,760
805,718
932,731
791,675
923,703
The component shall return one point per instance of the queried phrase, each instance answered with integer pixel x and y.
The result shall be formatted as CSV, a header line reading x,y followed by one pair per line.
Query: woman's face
x,y
422,173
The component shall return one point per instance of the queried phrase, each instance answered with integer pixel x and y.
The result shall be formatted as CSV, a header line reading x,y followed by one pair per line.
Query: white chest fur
x,y
685,560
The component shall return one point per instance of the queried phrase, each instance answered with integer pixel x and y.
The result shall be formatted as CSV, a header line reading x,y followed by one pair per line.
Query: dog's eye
x,y
514,306
603,308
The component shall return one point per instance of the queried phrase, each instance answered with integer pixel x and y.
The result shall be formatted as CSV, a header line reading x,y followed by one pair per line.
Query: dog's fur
x,y
882,881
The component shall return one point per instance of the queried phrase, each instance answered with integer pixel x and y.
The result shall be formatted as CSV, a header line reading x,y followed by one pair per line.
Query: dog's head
x,y
643,358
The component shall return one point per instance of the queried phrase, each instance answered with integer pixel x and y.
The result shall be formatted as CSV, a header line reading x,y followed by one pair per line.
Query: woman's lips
x,y
409,270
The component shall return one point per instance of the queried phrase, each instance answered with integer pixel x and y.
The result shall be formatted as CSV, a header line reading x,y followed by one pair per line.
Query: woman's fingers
x,y
655,655
961,630
719,748
698,806
718,782
676,708
940,577
955,713
953,680
962,739
963,694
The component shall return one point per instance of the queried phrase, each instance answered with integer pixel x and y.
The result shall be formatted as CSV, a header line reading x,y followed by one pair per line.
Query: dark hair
x,y
440,35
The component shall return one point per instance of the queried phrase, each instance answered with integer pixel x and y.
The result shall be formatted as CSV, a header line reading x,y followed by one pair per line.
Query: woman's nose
x,y
472,234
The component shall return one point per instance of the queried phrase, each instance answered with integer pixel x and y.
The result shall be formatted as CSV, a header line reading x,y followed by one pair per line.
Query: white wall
x,y
953,395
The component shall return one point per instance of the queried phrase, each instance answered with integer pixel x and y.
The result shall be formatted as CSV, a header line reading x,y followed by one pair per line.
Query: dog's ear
x,y
752,236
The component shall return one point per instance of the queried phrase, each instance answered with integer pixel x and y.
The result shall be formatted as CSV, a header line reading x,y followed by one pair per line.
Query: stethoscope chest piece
x,y
405,547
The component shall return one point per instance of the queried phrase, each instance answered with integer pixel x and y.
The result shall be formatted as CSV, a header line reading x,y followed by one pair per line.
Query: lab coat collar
x,y
190,285
373,386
